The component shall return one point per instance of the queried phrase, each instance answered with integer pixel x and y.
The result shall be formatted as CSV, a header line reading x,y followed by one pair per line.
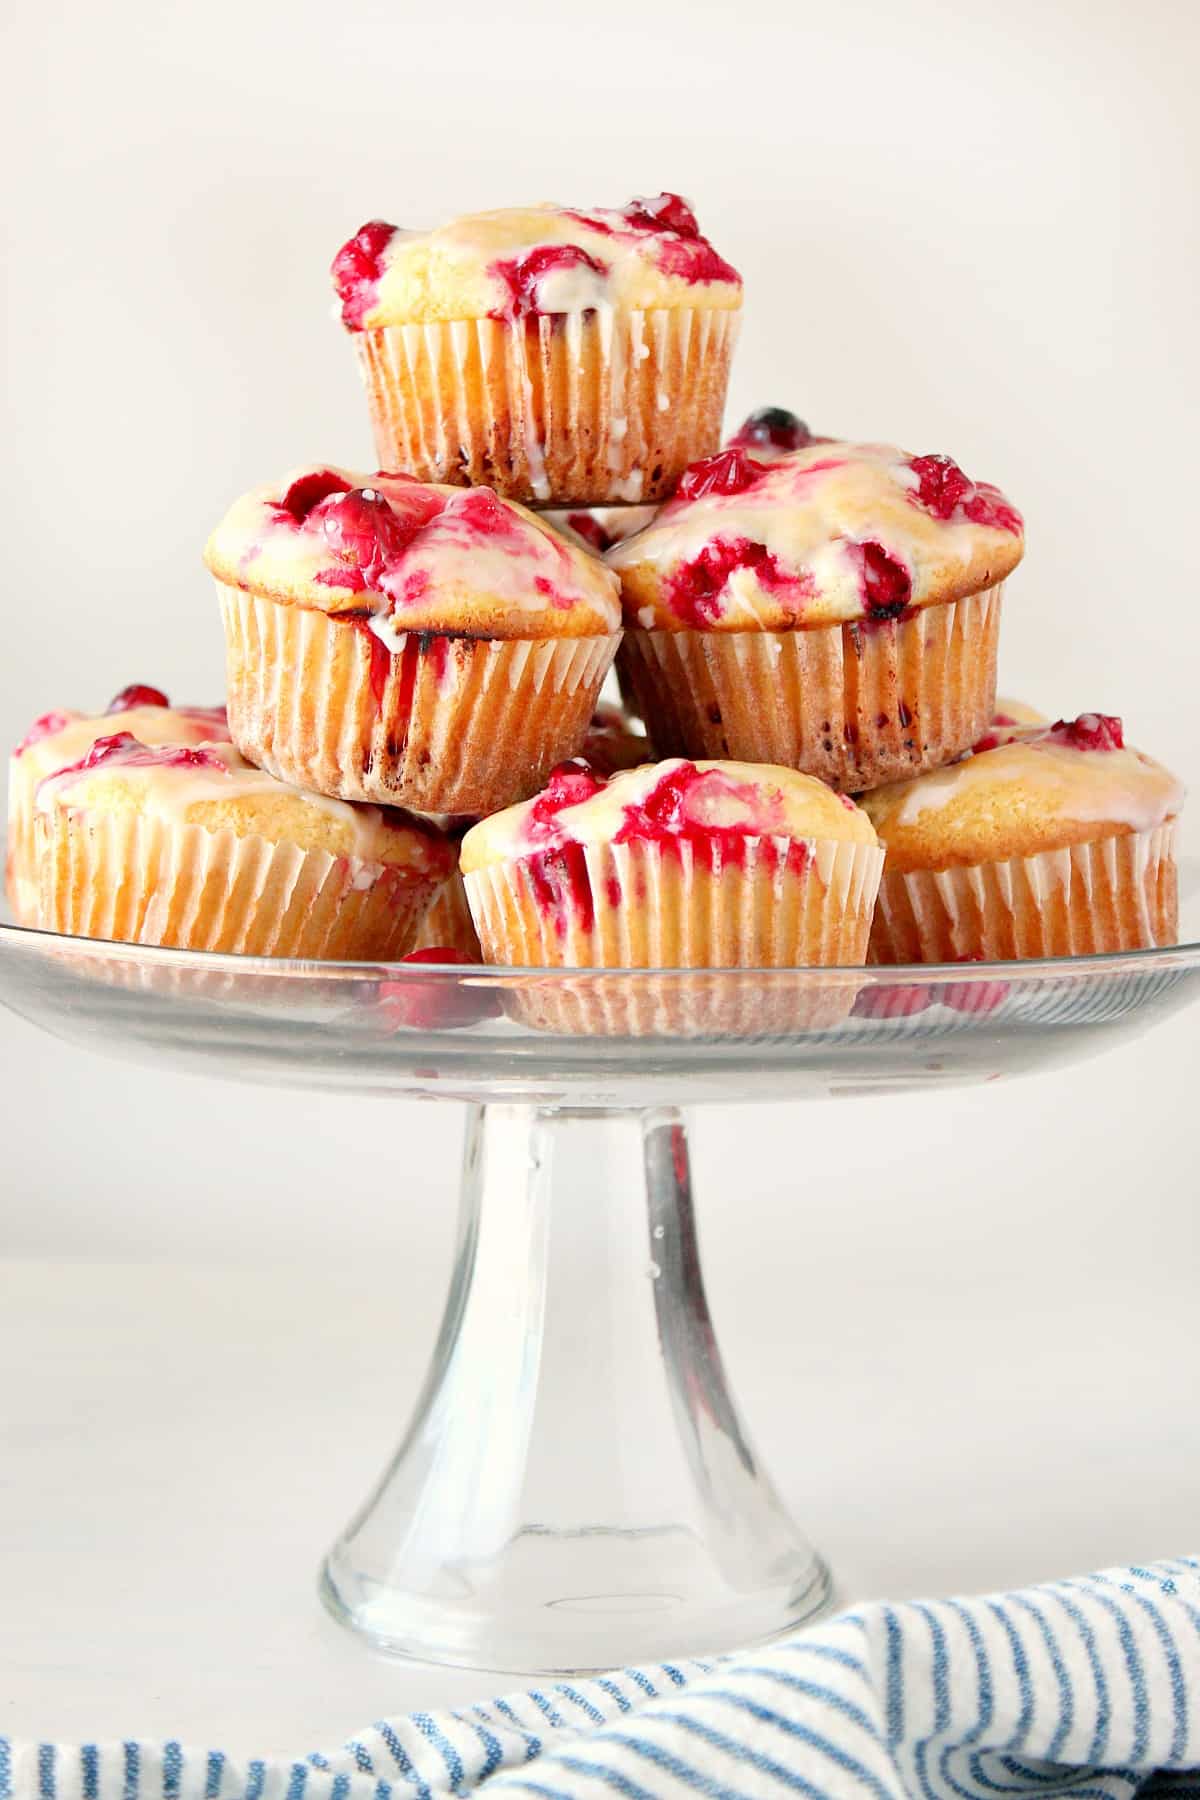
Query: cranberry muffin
x,y
1050,840
555,353
410,645
835,610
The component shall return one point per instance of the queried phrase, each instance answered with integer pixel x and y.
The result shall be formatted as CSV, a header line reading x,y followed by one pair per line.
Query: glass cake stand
x,y
576,1488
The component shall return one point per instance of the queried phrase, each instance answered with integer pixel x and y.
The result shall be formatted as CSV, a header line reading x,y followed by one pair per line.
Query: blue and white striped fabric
x,y
1088,1687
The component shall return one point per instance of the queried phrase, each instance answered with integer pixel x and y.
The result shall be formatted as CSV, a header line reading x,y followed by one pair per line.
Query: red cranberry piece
x,y
591,531
728,472
1091,731
363,531
523,276
886,583
891,1002
941,484
436,1005
570,784
776,427
664,212
309,490
357,268
136,695
438,953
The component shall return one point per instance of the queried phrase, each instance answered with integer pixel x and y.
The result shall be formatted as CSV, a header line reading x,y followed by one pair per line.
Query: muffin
x,y
415,646
59,738
674,865
1056,840
835,610
192,847
552,353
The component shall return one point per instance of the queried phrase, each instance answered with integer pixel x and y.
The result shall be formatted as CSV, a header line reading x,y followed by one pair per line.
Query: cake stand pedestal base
x,y
576,1488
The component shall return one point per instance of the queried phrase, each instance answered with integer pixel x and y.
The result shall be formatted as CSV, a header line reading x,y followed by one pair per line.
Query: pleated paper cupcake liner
x,y
578,409
855,705
20,866
138,879
783,905
448,923
1118,893
443,725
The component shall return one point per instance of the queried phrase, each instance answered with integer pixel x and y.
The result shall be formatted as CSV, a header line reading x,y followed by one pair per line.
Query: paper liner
x,y
445,725
20,867
855,705
1118,893
578,408
448,922
639,906
139,879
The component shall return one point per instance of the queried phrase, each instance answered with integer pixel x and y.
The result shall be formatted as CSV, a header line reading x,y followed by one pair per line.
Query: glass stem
x,y
576,1487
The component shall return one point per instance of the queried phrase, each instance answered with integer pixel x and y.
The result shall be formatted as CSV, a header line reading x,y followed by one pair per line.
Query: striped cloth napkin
x,y
1088,1687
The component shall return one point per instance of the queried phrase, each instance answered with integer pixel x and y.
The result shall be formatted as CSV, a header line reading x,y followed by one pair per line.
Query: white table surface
x,y
180,1443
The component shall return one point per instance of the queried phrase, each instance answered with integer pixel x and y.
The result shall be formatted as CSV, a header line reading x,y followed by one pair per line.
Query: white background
x,y
959,1324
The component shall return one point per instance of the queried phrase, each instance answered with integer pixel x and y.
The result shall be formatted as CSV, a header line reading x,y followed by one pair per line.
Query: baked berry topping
x,y
136,695
886,583
728,472
123,748
943,490
309,490
485,514
570,784
523,276
664,212
591,531
363,532
695,588
49,725
1090,731
679,249
357,268
774,426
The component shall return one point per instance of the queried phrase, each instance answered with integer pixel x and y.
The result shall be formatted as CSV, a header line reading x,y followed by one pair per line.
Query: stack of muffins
x,y
811,769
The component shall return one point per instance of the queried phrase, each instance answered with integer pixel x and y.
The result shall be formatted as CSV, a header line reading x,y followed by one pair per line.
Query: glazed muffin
x,y
59,738
835,610
674,865
410,645
553,353
192,847
1052,840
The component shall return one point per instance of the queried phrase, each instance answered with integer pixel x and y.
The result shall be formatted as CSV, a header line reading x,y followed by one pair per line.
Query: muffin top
x,y
525,261
1029,788
59,738
667,803
212,785
1015,712
411,556
830,533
